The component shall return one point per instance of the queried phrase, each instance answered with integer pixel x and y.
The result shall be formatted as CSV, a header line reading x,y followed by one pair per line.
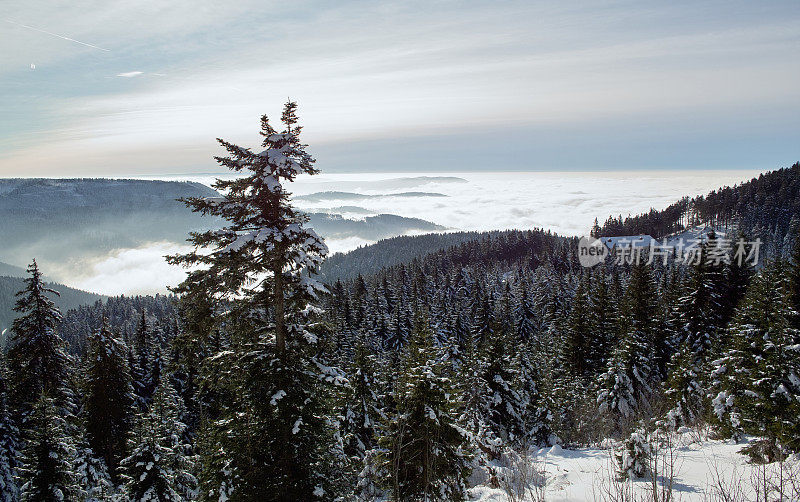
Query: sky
x,y
115,88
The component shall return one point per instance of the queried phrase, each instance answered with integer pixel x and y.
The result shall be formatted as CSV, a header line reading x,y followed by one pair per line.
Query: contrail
x,y
56,35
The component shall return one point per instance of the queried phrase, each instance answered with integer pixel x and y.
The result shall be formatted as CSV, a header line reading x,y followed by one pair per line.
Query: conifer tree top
x,y
39,312
264,233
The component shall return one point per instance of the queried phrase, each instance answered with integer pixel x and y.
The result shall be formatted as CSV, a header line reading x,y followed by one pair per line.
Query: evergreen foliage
x,y
627,383
271,434
48,458
36,357
757,380
9,441
157,469
108,398
426,453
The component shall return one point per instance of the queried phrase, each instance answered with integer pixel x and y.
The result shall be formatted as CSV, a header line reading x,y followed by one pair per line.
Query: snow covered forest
x,y
434,369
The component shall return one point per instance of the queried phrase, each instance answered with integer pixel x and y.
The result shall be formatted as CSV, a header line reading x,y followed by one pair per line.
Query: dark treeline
x,y
760,207
123,316
367,260
256,382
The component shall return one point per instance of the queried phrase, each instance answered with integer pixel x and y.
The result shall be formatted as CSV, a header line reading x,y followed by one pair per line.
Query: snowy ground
x,y
701,467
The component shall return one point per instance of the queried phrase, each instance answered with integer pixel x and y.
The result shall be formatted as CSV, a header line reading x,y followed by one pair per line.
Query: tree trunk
x,y
280,322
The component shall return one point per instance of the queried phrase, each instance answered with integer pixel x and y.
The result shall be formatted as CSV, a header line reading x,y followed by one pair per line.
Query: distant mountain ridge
x,y
335,195
40,195
77,223
11,270
368,260
766,207
69,298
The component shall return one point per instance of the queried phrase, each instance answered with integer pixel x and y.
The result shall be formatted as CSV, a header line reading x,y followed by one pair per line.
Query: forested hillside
x,y
763,207
81,221
11,271
368,260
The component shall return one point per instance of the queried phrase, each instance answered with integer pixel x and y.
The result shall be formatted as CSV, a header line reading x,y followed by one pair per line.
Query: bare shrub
x,y
768,482
607,487
662,465
522,477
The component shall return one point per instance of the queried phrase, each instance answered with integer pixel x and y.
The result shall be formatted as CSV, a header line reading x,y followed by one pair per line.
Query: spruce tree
x,y
91,475
738,274
157,469
504,406
474,393
142,363
757,381
794,282
47,467
9,439
190,347
362,411
672,322
701,312
426,453
524,314
535,415
625,387
578,343
36,358
603,321
108,398
272,434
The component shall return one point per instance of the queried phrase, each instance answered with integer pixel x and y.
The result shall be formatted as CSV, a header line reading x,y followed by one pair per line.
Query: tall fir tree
x,y
626,385
737,276
91,475
577,352
157,469
9,441
48,460
504,407
145,363
794,281
524,315
535,415
362,411
603,320
37,357
108,397
426,453
701,311
757,380
474,392
272,434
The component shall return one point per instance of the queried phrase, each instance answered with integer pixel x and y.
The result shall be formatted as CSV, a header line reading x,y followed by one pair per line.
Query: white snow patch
x,y
580,475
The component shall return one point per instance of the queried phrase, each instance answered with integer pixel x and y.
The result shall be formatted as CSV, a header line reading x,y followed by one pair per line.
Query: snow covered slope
x,y
703,470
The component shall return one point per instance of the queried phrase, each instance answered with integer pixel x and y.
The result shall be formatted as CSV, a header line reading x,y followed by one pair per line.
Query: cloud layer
x,y
564,203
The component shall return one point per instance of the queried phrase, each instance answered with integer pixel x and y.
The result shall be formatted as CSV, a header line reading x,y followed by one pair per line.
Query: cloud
x,y
486,201
566,203
129,271
56,35
130,74
379,72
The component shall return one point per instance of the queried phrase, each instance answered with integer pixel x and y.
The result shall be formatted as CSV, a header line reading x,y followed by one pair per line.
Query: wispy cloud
x,y
56,35
371,73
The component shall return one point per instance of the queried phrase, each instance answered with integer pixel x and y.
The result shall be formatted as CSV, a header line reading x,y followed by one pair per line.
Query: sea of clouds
x,y
566,203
